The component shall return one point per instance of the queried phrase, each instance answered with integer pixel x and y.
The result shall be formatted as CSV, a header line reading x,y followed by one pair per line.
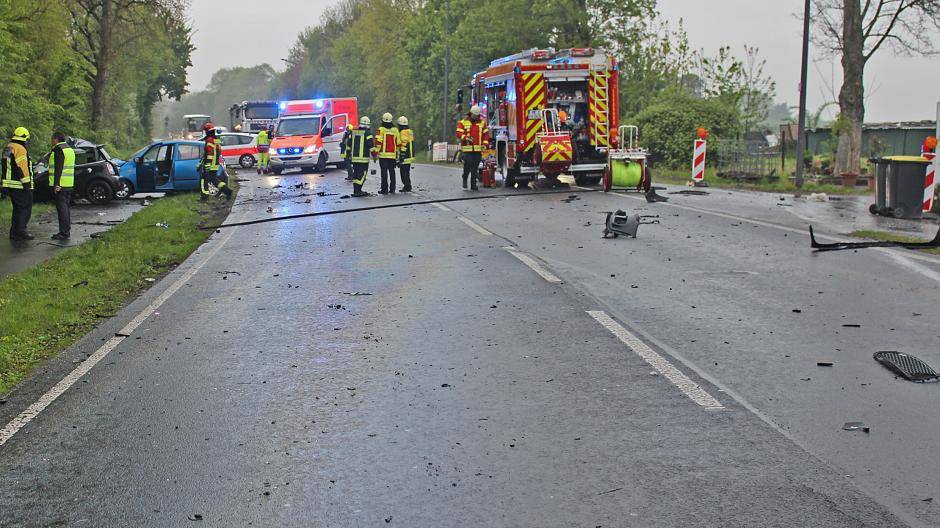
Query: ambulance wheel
x,y
321,163
247,161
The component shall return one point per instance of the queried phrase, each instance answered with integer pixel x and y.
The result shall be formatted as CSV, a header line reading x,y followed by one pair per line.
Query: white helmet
x,y
475,110
387,117
365,121
403,121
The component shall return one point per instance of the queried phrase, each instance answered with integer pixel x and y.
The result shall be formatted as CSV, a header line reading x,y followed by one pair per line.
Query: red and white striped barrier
x,y
931,181
698,161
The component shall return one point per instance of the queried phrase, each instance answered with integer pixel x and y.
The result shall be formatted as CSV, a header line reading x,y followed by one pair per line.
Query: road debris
x,y
906,366
856,426
824,363
691,192
838,246
620,223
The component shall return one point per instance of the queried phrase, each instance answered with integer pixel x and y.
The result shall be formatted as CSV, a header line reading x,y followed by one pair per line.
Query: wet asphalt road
x,y
402,368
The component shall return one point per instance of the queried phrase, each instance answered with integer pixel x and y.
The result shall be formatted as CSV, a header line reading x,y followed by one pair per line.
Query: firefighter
x,y
16,177
264,145
406,152
62,180
359,149
346,153
386,148
211,165
474,136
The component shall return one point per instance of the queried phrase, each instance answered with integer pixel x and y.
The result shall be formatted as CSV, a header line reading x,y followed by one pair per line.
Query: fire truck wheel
x,y
588,179
510,180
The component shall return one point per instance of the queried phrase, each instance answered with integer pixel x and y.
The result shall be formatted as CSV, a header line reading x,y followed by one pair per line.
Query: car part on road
x,y
652,196
691,192
856,426
394,205
837,246
620,223
909,367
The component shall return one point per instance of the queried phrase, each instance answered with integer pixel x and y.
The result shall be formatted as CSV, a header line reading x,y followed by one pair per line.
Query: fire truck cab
x,y
308,133
550,112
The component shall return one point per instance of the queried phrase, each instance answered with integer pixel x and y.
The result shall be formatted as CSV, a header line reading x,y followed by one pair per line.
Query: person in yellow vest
x,y
359,151
16,178
386,148
62,181
264,145
406,152
211,165
474,137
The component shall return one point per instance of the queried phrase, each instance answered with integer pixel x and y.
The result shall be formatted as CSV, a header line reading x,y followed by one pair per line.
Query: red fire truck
x,y
550,112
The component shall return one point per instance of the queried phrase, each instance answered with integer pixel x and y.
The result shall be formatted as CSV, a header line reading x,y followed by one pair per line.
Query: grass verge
x,y
48,307
681,177
885,235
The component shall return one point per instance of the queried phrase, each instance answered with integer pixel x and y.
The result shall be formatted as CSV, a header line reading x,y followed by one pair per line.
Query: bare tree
x,y
857,30
103,29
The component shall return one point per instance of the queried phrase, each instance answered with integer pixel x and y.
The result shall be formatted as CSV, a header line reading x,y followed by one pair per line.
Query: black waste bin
x,y
899,186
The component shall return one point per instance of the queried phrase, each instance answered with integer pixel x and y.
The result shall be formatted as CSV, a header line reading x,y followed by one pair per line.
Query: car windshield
x,y
261,112
304,126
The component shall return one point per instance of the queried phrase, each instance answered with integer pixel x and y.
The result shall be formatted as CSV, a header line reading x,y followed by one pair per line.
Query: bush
x,y
667,127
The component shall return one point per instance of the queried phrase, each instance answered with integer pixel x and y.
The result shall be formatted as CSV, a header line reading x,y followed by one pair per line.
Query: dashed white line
x,y
535,266
33,410
691,389
475,226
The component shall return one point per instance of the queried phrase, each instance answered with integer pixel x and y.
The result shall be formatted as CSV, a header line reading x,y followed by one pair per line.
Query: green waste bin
x,y
899,186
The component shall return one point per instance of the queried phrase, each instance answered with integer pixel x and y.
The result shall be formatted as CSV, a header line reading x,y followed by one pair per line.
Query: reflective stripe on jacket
x,y
360,145
16,170
64,175
386,142
473,136
406,146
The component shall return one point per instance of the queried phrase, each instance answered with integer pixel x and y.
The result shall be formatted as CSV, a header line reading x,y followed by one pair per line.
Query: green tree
x,y
667,127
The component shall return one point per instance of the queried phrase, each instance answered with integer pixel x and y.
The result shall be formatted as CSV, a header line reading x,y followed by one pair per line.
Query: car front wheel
x,y
98,192
124,190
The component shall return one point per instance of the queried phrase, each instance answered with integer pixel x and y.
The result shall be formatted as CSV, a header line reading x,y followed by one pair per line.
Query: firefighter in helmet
x,y
359,150
16,177
406,152
474,136
386,148
210,166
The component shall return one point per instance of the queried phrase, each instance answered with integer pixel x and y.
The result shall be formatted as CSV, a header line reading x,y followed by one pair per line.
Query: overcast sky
x,y
899,88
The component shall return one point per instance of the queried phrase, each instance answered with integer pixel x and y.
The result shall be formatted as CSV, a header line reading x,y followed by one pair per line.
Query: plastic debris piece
x,y
856,426
823,363
907,366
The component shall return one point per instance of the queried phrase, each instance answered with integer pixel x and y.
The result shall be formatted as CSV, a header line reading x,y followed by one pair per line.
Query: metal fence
x,y
748,161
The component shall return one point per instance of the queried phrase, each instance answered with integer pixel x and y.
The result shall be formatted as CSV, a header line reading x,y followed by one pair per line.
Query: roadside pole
x,y
801,131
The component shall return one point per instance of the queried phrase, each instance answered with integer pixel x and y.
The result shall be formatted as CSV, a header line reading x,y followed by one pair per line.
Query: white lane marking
x,y
536,267
33,410
442,207
475,226
661,364
913,266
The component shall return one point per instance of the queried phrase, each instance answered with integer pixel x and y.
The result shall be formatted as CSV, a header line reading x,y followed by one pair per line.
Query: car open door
x,y
332,135
147,168
186,162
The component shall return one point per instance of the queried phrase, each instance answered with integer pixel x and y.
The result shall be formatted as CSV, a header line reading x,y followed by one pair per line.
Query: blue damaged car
x,y
164,166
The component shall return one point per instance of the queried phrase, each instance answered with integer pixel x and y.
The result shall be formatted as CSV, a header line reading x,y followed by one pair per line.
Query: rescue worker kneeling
x,y
211,165
359,148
